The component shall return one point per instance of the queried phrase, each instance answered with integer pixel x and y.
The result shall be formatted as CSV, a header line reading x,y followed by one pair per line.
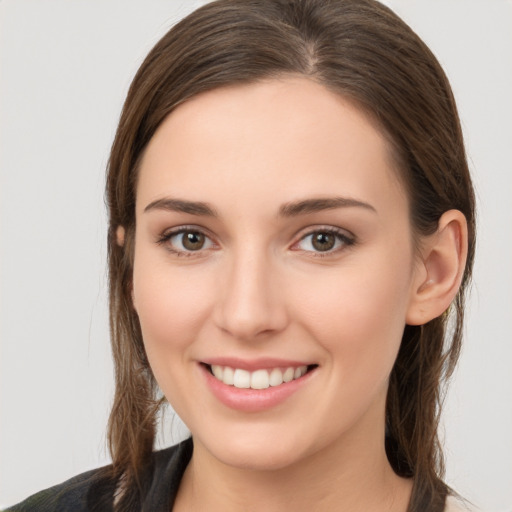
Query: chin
x,y
257,453
258,460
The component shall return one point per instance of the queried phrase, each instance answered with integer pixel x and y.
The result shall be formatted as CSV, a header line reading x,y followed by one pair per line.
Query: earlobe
x,y
133,299
120,240
443,263
120,235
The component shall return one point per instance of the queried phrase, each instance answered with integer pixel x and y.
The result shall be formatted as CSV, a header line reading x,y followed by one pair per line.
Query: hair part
x,y
361,50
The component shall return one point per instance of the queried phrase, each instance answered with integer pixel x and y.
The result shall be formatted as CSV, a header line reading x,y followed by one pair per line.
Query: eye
x,y
186,241
324,241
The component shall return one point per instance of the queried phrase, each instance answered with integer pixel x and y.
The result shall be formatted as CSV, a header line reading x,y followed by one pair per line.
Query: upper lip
x,y
254,364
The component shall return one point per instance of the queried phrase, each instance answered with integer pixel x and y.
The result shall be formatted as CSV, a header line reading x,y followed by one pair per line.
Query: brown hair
x,y
363,51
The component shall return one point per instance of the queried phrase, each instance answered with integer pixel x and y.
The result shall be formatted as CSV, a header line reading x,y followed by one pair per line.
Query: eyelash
x,y
166,237
341,236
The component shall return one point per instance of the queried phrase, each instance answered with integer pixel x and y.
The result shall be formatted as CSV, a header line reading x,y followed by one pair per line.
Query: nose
x,y
251,303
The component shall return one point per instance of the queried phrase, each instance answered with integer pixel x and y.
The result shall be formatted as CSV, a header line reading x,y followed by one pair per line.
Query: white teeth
x,y
288,374
217,371
228,376
259,379
242,379
276,377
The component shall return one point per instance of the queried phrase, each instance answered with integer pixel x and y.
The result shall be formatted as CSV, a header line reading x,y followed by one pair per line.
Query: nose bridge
x,y
251,303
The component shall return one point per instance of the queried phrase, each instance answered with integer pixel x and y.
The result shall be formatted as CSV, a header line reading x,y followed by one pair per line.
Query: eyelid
x,y
163,238
347,238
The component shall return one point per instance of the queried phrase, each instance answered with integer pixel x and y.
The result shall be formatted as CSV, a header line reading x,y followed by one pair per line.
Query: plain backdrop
x,y
64,70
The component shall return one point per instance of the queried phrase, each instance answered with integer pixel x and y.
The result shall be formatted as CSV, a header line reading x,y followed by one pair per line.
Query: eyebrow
x,y
291,209
319,204
181,205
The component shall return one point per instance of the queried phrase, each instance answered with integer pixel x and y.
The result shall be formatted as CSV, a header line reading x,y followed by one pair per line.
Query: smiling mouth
x,y
258,379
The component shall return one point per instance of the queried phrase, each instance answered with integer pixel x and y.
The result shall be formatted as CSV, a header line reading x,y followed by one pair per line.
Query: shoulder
x,y
71,495
94,491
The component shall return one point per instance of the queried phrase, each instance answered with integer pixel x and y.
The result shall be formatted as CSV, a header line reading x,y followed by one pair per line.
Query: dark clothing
x,y
90,492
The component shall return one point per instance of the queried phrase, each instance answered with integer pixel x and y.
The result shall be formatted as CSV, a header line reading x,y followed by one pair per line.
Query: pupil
x,y
323,241
193,240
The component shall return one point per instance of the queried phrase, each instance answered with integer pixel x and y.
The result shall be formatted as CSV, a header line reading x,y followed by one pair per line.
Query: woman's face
x,y
272,239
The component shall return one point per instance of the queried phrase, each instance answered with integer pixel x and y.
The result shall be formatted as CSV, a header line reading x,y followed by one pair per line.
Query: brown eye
x,y
325,241
192,240
322,241
186,241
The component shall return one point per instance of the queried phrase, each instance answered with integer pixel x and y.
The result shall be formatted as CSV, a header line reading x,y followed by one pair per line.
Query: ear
x,y
120,240
120,233
440,270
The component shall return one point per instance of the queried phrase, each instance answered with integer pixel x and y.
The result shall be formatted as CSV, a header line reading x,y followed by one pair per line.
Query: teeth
x,y
242,379
276,377
259,379
288,374
217,371
228,376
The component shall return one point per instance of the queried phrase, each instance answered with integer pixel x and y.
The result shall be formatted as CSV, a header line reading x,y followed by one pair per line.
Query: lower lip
x,y
253,400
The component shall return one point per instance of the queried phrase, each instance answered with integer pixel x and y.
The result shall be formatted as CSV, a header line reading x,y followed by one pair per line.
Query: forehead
x,y
269,141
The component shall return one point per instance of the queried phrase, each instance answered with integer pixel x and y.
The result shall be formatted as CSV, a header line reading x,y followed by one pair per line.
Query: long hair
x,y
364,52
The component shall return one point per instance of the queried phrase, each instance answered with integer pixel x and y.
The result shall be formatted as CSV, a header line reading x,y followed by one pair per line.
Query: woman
x,y
291,219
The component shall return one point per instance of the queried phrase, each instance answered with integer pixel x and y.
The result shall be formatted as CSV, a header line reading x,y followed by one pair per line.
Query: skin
x,y
259,288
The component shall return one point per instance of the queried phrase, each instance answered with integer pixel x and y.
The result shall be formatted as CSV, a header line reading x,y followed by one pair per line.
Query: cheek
x,y
172,305
170,302
357,312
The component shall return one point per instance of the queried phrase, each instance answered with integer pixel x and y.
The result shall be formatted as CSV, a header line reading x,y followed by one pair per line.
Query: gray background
x,y
65,66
